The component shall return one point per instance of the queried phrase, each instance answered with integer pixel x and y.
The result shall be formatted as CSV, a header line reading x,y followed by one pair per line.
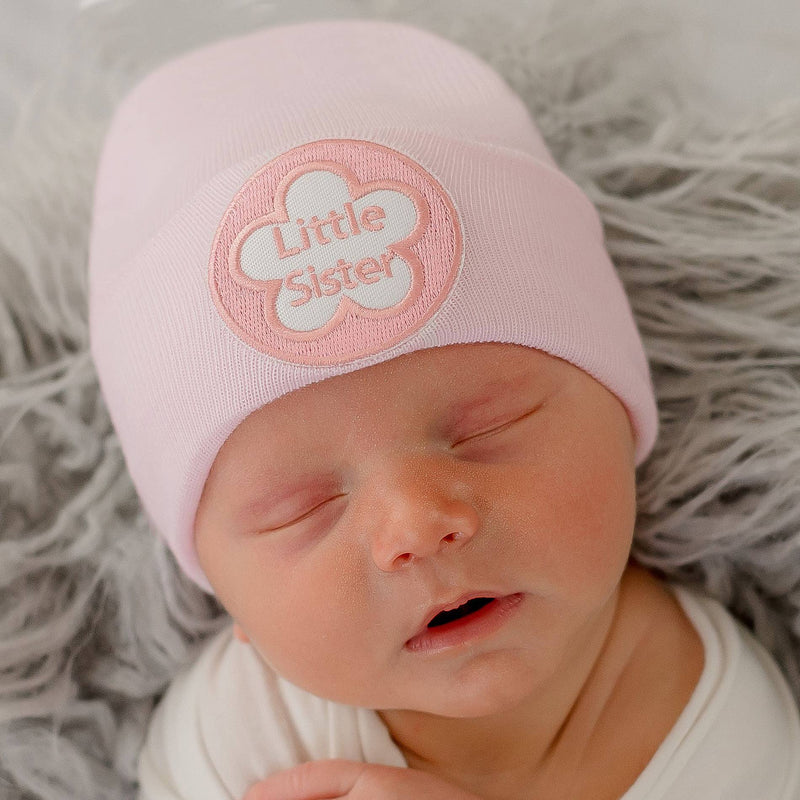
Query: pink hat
x,y
310,199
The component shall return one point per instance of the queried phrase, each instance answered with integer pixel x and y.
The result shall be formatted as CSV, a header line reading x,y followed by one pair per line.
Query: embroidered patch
x,y
334,250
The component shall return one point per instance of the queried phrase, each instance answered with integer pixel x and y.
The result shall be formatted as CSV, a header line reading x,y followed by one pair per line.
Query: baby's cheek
x,y
577,527
320,636
600,529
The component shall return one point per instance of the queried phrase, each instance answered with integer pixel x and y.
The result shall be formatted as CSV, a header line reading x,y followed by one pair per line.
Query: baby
x,y
379,387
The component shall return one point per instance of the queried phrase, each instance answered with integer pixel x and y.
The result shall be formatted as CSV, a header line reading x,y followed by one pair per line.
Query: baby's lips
x,y
450,605
477,621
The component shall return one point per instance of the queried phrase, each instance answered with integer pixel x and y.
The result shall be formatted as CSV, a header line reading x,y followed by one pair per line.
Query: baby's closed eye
x,y
501,428
303,515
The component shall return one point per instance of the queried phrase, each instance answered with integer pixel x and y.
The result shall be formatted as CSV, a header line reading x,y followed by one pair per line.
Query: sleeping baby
x,y
379,387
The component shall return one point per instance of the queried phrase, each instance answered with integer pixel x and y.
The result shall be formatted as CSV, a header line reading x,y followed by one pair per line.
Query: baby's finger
x,y
314,780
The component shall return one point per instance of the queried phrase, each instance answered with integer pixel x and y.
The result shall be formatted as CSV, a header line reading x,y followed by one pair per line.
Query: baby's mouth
x,y
444,617
469,619
445,614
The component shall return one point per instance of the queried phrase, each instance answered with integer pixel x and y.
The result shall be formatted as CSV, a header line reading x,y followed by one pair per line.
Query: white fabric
x,y
738,738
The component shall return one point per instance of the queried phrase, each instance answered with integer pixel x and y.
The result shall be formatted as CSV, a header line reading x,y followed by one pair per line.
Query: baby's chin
x,y
461,707
483,691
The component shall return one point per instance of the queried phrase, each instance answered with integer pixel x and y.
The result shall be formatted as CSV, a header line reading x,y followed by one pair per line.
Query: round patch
x,y
334,250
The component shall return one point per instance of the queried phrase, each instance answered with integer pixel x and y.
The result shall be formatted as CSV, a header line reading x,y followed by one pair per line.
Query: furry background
x,y
702,220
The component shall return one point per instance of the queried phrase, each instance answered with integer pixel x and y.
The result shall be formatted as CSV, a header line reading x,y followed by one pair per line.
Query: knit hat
x,y
310,199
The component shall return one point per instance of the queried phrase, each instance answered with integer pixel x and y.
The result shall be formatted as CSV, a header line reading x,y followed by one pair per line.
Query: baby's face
x,y
336,520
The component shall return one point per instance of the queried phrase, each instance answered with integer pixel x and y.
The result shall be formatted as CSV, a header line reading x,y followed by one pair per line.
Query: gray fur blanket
x,y
701,218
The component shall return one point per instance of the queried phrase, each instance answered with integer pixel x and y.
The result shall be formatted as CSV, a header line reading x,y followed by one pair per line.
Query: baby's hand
x,y
336,778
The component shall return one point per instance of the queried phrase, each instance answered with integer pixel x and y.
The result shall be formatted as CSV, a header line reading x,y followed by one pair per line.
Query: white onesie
x,y
738,738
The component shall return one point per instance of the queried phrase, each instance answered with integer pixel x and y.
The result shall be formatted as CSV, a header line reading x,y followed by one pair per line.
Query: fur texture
x,y
702,218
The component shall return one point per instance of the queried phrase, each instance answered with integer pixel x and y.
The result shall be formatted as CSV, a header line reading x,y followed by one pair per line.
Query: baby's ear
x,y
239,633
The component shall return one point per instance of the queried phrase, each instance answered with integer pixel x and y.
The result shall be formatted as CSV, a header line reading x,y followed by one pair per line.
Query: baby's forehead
x,y
456,376
452,371
489,358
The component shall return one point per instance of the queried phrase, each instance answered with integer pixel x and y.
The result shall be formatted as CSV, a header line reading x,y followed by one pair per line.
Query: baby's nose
x,y
420,513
